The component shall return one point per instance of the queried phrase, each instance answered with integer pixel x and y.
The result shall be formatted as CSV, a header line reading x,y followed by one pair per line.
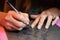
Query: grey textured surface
x,y
29,34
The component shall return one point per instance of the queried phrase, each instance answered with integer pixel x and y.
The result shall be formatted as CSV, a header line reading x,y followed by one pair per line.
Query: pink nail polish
x,y
58,23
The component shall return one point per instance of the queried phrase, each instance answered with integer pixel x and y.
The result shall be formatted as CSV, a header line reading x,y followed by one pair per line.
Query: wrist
x,y
2,15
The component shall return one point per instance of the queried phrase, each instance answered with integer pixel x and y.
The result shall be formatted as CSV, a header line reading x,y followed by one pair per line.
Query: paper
x,y
58,23
3,35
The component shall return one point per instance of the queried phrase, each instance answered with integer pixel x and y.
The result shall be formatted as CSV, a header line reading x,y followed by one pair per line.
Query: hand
x,y
50,14
15,21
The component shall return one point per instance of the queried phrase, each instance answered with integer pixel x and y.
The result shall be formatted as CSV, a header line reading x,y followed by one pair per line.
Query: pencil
x,y
17,12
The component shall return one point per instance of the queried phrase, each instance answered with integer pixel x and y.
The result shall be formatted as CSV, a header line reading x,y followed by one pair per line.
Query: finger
x,y
58,22
17,16
12,29
9,28
42,19
48,21
15,22
12,26
33,16
35,22
5,25
54,22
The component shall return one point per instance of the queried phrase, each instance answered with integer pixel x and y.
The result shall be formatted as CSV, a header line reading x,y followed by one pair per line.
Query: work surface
x,y
52,34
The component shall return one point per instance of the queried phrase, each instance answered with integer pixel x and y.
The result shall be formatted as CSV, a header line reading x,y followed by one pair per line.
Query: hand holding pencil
x,y
14,20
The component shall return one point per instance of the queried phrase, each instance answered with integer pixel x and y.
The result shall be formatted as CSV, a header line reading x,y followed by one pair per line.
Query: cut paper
x,y
58,23
3,35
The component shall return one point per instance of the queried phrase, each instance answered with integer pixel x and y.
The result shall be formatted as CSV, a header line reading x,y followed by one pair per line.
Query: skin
x,y
14,21
50,14
17,21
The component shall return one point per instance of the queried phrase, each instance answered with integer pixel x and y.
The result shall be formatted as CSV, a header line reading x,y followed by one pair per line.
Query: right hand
x,y
15,21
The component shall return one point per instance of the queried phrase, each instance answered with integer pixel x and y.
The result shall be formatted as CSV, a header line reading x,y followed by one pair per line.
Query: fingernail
x,y
27,23
52,24
38,27
20,29
47,27
32,26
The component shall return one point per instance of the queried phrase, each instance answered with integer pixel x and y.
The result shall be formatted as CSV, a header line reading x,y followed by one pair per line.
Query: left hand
x,y
50,14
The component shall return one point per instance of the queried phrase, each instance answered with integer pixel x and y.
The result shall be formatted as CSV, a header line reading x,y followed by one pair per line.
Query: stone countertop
x,y
53,33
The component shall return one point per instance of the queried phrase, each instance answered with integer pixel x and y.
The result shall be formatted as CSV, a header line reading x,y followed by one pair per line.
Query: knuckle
x,y
43,12
7,24
11,12
6,18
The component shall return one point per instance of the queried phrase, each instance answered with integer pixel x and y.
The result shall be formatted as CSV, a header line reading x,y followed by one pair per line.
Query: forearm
x,y
3,35
2,15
